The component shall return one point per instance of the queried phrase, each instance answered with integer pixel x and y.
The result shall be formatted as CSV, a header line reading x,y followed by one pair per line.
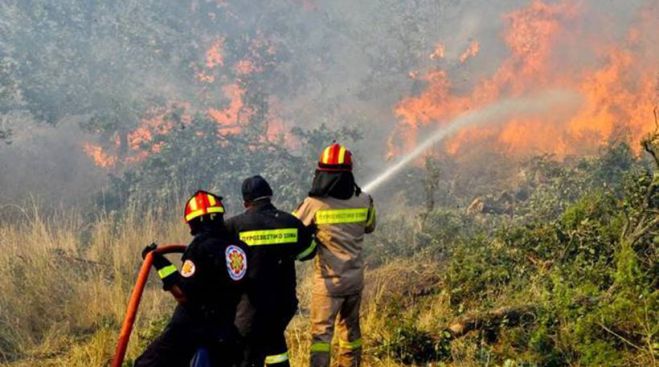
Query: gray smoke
x,y
344,63
495,113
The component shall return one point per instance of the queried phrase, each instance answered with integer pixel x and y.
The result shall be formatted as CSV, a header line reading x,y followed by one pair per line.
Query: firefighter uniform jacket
x,y
275,239
213,276
339,266
212,279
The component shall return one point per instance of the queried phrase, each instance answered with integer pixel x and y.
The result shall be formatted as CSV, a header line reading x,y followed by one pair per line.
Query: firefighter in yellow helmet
x,y
208,288
342,214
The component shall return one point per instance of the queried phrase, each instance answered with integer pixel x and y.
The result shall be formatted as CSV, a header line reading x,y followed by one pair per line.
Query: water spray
x,y
493,113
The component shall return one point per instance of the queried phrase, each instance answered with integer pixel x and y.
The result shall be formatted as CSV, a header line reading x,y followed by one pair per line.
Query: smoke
x,y
492,114
603,52
45,166
393,69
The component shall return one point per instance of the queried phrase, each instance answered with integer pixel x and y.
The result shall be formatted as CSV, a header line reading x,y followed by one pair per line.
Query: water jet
x,y
490,114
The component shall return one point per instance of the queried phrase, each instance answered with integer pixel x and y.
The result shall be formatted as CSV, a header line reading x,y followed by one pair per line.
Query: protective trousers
x,y
266,341
182,337
324,312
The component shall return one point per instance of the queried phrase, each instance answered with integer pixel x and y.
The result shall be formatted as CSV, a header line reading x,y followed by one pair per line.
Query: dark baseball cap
x,y
255,188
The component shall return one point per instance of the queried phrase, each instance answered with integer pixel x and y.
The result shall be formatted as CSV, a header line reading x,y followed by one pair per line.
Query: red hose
x,y
134,302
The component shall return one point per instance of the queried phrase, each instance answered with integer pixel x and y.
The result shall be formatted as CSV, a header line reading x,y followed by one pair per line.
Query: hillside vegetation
x,y
487,253
567,275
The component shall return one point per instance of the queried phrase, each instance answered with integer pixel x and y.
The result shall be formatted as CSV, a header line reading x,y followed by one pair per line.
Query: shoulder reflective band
x,y
306,252
371,217
320,347
277,358
355,344
341,216
167,271
269,236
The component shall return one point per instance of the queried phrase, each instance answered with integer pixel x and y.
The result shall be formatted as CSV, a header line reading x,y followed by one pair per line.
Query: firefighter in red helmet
x,y
342,214
208,288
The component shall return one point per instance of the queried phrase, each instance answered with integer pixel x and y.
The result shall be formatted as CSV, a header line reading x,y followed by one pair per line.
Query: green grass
x,y
66,279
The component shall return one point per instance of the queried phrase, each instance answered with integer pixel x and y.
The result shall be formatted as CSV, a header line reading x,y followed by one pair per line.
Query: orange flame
x,y
214,55
438,53
546,51
470,52
139,141
245,67
230,118
100,157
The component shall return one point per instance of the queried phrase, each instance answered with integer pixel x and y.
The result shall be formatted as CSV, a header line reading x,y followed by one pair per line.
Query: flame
x,y
100,157
229,118
140,141
214,55
276,127
246,67
438,53
213,58
470,52
548,48
205,78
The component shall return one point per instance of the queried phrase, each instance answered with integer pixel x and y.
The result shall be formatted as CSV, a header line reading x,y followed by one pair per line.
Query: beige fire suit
x,y
338,273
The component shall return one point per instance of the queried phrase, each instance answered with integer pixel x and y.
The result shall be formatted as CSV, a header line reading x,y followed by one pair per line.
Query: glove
x,y
166,271
148,249
159,261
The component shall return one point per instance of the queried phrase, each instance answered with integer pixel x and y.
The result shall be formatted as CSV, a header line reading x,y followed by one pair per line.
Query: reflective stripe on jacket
x,y
275,239
339,265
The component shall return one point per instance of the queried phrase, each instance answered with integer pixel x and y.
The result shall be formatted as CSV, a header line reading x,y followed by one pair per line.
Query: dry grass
x,y
65,282
374,325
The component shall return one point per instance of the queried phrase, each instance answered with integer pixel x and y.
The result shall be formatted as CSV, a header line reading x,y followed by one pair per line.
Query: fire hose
x,y
134,301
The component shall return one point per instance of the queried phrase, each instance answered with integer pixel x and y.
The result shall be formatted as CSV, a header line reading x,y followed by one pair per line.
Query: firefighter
x,y
275,239
342,214
207,288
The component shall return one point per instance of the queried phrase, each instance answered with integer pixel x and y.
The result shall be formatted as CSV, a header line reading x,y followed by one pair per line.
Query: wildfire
x,y
548,49
99,156
276,128
214,55
139,142
246,67
470,52
438,53
229,118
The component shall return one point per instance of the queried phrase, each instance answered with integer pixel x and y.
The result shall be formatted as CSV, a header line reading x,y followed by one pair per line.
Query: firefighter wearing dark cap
x,y
342,214
208,288
275,239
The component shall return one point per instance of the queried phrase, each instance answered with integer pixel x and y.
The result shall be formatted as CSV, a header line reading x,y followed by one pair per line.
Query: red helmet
x,y
335,158
202,203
